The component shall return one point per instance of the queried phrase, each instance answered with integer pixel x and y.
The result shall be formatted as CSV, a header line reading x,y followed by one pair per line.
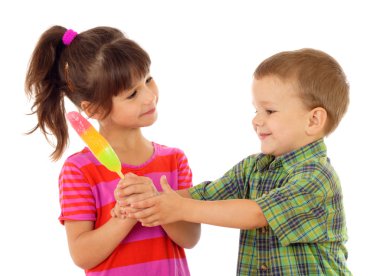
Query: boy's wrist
x,y
184,208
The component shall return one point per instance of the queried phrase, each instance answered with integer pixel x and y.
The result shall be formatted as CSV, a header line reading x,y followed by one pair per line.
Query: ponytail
x,y
44,85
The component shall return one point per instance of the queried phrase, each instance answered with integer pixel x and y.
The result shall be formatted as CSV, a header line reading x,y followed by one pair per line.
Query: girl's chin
x,y
149,122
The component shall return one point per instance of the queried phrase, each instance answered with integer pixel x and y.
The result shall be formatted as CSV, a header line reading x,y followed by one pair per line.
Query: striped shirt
x,y
301,198
86,194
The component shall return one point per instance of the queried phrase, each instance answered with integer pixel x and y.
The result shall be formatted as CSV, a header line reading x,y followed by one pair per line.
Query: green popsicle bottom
x,y
110,160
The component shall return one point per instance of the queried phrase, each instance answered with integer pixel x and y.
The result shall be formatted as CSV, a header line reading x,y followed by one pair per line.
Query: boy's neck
x,y
308,142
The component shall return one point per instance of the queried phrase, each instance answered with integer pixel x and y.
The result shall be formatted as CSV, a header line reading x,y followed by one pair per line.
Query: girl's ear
x,y
317,121
90,110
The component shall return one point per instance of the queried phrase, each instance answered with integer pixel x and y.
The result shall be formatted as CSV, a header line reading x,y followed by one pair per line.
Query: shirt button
x,y
264,229
264,267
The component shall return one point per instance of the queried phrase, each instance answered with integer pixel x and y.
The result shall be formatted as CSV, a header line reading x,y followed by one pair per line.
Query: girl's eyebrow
x,y
137,83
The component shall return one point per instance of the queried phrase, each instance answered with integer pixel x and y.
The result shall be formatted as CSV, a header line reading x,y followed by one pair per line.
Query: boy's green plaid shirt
x,y
301,198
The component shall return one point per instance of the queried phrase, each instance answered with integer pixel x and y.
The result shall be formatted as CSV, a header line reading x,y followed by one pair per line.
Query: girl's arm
x,y
169,207
185,234
134,188
89,246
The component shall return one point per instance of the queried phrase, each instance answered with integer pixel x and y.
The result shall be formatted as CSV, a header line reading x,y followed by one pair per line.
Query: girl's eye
x,y
269,111
132,95
147,81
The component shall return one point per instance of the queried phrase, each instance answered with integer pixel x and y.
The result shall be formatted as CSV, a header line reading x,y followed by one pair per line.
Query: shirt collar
x,y
313,150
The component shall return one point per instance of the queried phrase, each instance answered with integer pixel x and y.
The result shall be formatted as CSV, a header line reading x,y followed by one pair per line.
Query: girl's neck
x,y
130,145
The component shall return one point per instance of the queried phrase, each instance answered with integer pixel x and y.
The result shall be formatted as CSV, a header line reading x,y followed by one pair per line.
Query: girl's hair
x,y
319,79
98,64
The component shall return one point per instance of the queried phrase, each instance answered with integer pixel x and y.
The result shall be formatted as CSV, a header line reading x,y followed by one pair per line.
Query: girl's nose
x,y
149,96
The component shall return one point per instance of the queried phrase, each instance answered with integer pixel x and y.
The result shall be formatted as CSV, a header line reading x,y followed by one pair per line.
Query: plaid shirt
x,y
301,198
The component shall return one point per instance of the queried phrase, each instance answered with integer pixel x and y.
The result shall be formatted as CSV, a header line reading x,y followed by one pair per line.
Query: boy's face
x,y
281,117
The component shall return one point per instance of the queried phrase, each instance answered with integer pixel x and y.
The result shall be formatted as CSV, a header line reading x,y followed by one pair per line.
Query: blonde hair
x,y
318,76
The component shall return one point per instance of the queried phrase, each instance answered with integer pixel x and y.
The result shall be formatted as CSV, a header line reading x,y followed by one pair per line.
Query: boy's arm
x,y
184,233
169,207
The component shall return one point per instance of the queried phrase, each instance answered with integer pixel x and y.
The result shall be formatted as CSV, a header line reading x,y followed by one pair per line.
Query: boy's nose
x,y
257,120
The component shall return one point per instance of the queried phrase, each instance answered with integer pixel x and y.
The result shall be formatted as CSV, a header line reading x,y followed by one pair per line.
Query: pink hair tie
x,y
69,36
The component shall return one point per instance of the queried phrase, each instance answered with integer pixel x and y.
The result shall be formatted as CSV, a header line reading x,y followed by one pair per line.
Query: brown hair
x,y
318,77
98,64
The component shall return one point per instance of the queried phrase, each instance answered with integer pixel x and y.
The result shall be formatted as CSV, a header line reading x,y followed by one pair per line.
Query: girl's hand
x,y
158,210
131,189
118,212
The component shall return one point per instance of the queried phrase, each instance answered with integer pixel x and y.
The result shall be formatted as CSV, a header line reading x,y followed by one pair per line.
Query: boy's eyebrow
x,y
264,102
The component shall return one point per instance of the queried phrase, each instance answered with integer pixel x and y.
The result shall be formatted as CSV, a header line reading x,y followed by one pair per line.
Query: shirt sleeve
x,y
298,212
75,195
231,185
185,176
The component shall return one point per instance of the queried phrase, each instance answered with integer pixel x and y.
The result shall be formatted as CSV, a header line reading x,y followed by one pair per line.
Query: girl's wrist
x,y
118,212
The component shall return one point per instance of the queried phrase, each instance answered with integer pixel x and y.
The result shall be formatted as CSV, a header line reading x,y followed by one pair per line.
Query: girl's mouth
x,y
149,112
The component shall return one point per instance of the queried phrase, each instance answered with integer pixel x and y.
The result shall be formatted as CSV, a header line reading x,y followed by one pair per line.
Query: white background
x,y
203,56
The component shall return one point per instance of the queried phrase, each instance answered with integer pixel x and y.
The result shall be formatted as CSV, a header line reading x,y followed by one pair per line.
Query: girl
x,y
106,75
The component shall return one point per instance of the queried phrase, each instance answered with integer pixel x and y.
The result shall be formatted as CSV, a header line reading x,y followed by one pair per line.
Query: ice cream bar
x,y
95,142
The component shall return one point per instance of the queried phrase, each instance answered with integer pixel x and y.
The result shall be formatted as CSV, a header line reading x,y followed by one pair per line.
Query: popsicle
x,y
96,142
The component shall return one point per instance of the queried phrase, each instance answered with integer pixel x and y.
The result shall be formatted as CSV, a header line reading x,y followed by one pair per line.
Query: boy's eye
x,y
148,80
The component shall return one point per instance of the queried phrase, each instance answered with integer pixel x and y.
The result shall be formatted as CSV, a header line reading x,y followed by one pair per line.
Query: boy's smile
x,y
281,118
262,136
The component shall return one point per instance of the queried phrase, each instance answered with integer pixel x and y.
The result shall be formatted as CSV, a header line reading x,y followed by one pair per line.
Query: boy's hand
x,y
131,189
162,209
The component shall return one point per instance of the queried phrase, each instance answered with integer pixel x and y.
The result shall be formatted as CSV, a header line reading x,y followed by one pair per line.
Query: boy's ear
x,y
90,110
317,121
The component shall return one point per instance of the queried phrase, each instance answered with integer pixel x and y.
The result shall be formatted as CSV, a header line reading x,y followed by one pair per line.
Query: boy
x,y
287,200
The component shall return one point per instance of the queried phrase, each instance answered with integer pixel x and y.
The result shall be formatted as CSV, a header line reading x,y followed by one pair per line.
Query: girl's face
x,y
136,107
281,117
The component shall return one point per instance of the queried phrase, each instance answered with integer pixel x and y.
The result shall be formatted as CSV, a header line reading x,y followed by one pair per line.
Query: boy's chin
x,y
266,150
270,151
